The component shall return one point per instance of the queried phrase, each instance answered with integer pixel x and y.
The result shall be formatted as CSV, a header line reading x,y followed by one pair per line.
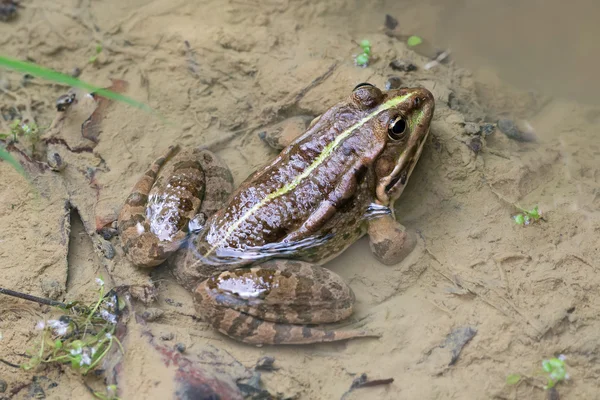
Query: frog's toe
x,y
390,241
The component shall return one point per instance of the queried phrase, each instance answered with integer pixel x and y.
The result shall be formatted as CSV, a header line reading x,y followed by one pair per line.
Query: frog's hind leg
x,y
153,223
277,303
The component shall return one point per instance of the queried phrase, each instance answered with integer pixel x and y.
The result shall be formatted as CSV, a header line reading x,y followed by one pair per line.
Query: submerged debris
x,y
390,22
152,314
8,10
457,339
511,130
403,65
266,364
362,381
393,82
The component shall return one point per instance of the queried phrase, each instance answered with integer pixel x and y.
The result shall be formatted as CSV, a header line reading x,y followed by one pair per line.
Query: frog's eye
x,y
362,85
397,128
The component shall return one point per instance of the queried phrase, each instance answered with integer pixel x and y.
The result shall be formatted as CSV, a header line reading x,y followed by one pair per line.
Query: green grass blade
x,y
6,156
59,77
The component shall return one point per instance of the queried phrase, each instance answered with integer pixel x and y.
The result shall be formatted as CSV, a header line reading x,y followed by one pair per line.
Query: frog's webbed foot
x,y
389,240
280,135
277,303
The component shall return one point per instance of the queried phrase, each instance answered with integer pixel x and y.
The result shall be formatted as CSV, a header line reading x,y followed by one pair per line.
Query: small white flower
x,y
108,317
75,352
562,357
85,357
60,328
40,325
94,350
99,281
567,377
108,336
140,228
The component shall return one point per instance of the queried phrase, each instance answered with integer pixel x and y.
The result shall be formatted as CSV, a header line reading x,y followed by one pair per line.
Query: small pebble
x,y
454,102
401,65
265,364
167,336
108,232
64,101
180,347
56,162
475,144
487,129
390,22
173,303
472,128
75,72
105,247
51,288
152,314
510,129
8,10
36,391
393,82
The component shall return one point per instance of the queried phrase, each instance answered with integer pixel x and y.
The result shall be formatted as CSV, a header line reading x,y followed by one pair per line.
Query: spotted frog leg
x,y
179,187
278,302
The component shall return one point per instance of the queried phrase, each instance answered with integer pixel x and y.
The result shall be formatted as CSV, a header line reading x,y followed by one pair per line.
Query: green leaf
x,y
58,77
513,379
519,219
535,213
414,41
362,59
365,44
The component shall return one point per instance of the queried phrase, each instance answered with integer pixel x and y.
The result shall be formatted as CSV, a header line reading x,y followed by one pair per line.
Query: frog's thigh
x,y
165,198
272,304
389,240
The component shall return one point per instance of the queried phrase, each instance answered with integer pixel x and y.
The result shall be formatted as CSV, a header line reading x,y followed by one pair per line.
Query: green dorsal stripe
x,y
327,151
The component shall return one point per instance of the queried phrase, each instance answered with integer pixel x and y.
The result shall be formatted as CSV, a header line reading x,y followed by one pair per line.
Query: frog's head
x,y
401,118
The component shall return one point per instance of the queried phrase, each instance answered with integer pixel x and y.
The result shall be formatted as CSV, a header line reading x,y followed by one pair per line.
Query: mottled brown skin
x,y
308,204
198,181
277,301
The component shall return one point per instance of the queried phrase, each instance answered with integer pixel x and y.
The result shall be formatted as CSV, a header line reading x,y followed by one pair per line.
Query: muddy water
x,y
528,293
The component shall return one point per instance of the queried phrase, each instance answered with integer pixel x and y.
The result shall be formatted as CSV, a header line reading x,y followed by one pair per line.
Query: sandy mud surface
x,y
478,299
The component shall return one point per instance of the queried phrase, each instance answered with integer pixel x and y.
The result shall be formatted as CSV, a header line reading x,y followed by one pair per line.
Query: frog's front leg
x,y
276,303
389,240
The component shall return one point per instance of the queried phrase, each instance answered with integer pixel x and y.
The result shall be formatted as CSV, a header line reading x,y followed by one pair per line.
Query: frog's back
x,y
315,185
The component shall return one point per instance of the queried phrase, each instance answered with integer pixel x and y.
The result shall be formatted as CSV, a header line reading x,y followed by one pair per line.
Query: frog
x,y
254,256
